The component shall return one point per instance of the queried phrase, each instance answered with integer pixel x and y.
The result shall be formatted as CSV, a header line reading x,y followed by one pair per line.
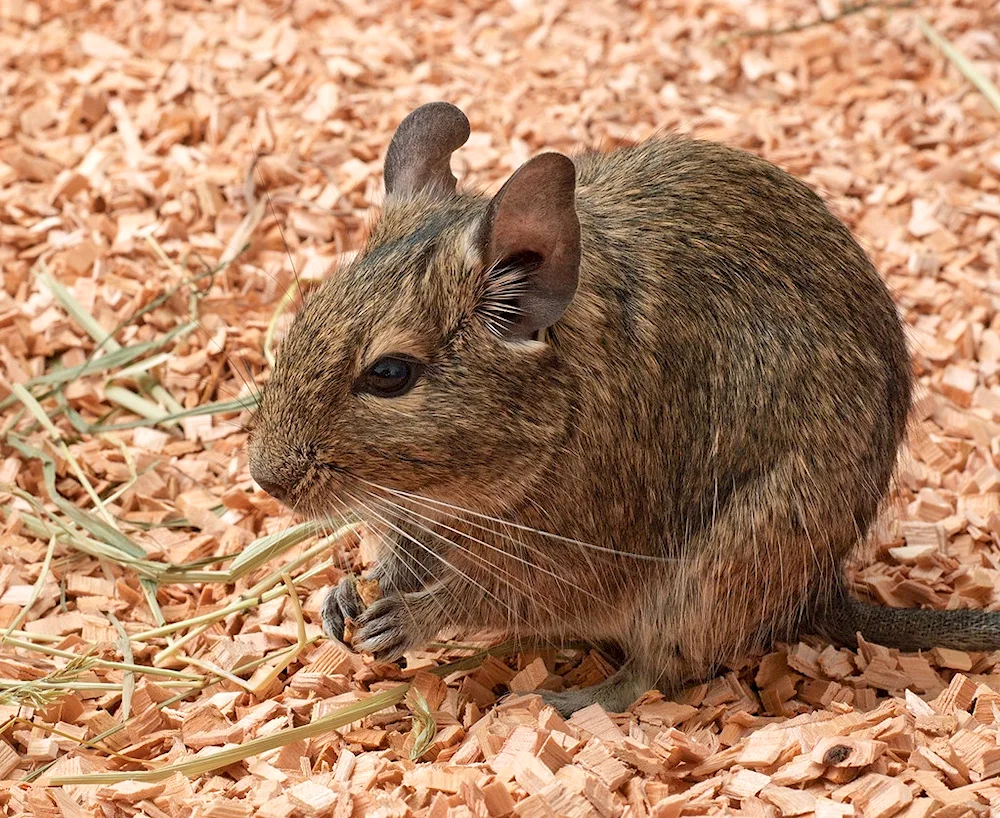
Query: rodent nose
x,y
276,490
269,482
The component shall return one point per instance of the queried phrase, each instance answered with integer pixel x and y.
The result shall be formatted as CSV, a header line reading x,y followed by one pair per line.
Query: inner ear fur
x,y
531,242
419,156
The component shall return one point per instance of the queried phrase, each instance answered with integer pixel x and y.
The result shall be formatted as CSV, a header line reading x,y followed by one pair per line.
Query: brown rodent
x,y
649,398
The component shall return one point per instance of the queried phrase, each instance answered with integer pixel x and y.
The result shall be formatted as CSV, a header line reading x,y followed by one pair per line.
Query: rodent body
x,y
660,396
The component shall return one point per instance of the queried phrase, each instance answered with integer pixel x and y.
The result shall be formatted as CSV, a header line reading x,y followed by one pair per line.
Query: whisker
x,y
601,575
430,502
502,523
514,622
522,560
443,560
523,586
420,581
277,222
247,378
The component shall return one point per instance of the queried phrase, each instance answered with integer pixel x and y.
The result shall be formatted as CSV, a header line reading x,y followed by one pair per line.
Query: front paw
x,y
387,629
342,602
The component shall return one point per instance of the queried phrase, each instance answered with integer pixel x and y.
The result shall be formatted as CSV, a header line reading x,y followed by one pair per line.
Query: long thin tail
x,y
908,629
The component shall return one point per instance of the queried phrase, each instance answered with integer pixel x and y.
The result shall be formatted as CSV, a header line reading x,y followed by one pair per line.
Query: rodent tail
x,y
907,629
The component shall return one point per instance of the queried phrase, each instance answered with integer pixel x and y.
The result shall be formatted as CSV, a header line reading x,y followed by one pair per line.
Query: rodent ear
x,y
419,155
531,238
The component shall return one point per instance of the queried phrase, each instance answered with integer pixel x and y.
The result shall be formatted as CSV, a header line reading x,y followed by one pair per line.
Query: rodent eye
x,y
390,376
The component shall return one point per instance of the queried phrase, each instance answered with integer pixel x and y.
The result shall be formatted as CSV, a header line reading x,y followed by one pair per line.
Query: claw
x,y
385,629
341,603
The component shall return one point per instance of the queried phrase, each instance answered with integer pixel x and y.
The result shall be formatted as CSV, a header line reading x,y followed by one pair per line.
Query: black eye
x,y
390,377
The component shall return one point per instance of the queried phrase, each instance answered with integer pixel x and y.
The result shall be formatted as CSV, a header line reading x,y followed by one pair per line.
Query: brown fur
x,y
709,428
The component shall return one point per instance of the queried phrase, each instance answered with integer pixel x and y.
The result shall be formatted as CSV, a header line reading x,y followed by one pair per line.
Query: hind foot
x,y
615,694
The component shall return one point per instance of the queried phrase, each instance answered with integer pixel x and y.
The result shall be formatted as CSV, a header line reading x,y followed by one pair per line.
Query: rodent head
x,y
417,368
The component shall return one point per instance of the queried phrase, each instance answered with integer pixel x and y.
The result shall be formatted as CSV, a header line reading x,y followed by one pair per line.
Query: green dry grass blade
x,y
140,367
268,547
36,591
272,325
158,672
232,755
149,587
136,404
91,326
107,542
424,724
99,529
218,408
263,591
69,534
120,357
105,533
281,738
34,408
125,649
259,552
962,63
75,309
41,692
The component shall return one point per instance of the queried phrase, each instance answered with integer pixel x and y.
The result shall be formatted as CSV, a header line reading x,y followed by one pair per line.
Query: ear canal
x,y
419,155
531,238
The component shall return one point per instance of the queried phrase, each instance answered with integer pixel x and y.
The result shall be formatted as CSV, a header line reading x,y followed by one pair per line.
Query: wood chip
x,y
166,173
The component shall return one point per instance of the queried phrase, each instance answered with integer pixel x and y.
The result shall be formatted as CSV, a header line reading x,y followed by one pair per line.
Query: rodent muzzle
x,y
273,483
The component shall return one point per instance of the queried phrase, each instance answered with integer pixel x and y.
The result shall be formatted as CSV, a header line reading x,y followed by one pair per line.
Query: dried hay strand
x,y
174,178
